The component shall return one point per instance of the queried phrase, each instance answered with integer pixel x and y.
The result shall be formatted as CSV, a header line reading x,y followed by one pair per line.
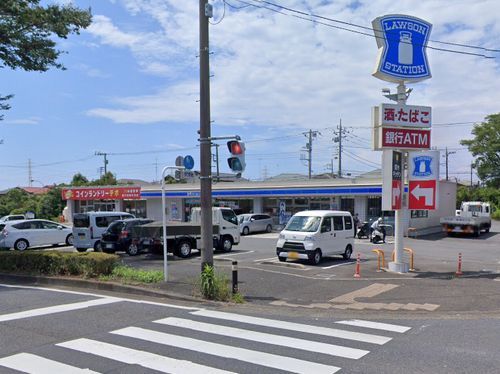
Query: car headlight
x,y
282,236
309,239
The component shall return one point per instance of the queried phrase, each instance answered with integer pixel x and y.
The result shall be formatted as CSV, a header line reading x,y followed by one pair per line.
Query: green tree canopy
x,y
27,31
485,146
79,180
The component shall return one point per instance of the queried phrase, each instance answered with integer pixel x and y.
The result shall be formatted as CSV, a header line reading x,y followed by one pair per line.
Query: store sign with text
x,y
408,138
392,180
101,193
423,175
392,115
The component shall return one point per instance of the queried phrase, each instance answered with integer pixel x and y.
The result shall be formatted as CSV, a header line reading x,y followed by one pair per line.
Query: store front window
x,y
84,206
347,204
135,207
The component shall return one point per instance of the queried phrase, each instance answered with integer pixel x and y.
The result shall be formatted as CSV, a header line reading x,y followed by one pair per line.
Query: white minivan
x,y
88,228
312,234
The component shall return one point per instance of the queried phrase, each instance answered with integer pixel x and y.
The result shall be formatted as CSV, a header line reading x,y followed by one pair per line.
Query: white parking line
x,y
337,265
375,325
234,254
267,259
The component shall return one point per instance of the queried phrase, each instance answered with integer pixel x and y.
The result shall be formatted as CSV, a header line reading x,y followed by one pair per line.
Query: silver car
x,y
255,222
21,235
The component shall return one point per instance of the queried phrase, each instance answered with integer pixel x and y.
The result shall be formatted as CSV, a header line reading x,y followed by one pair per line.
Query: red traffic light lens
x,y
235,148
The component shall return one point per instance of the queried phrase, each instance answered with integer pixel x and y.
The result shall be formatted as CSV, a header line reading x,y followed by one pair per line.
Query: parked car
x,y
12,217
88,228
118,235
310,235
21,235
255,223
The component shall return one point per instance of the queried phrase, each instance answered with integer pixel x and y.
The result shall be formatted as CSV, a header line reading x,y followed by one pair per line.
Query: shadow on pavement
x,y
452,275
442,235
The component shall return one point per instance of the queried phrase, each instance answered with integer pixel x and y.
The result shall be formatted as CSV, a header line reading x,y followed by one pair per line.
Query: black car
x,y
118,235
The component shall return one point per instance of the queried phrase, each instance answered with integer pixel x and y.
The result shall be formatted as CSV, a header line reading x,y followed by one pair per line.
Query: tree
x,y
485,146
27,30
79,180
107,179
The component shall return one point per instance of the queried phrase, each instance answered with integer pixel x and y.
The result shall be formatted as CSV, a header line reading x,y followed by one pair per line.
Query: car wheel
x,y
226,244
133,250
21,245
360,236
246,231
348,252
183,249
69,239
81,249
282,259
316,257
98,246
269,228
487,230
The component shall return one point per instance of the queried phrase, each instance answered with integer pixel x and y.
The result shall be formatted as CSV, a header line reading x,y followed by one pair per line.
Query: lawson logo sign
x,y
402,42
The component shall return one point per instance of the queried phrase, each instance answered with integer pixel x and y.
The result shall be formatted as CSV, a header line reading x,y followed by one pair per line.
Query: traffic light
x,y
237,160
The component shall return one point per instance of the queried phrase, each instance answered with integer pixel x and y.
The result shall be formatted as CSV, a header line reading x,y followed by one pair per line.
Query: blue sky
x,y
131,88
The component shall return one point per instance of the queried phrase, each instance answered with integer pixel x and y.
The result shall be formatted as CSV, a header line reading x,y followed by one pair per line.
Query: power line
x,y
302,14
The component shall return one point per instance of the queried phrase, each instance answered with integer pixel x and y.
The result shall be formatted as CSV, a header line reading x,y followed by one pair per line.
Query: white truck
x,y
183,237
472,218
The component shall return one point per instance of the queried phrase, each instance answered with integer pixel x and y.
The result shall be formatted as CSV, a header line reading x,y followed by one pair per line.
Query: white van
x,y
88,228
312,234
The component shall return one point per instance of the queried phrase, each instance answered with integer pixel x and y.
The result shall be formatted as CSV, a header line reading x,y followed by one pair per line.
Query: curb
x,y
94,285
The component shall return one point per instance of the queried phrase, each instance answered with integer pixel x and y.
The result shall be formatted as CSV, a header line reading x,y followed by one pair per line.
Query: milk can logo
x,y
402,44
422,166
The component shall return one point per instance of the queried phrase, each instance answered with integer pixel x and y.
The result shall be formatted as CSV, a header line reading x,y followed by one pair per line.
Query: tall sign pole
x,y
402,58
205,141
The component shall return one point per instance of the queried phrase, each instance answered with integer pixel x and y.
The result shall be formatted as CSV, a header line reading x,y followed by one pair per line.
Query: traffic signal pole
x,y
205,142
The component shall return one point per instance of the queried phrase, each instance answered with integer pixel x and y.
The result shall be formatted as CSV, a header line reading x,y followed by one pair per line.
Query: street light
x,y
164,216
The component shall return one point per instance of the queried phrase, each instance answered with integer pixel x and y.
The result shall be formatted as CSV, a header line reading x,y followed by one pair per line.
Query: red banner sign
x,y
102,193
406,138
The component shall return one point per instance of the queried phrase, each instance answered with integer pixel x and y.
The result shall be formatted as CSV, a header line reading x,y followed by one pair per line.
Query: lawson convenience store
x,y
355,195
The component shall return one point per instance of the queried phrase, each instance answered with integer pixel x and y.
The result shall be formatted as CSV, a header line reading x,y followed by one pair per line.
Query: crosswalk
x,y
206,341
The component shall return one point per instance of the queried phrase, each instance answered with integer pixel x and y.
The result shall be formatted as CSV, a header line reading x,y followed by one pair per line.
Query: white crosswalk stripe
x,y
32,364
314,356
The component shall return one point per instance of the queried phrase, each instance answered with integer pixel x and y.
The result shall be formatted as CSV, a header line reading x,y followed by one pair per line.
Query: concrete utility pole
x,y
310,135
446,154
205,141
105,160
216,160
338,135
30,175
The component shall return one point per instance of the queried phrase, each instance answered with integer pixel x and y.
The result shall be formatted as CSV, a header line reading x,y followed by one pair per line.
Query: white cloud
x,y
22,121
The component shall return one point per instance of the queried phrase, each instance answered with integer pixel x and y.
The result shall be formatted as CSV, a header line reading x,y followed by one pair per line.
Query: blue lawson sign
x,y
402,42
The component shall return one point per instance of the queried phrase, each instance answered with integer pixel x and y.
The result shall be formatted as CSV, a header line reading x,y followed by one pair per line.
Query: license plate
x,y
81,235
293,255
146,242
109,245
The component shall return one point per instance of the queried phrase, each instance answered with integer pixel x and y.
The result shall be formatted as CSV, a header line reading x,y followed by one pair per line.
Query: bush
x,y
90,264
131,275
213,285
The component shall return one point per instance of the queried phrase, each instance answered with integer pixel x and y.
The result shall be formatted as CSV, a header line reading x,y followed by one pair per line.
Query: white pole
x,y
164,217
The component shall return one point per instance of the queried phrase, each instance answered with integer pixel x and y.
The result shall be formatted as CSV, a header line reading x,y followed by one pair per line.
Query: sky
x,y
131,88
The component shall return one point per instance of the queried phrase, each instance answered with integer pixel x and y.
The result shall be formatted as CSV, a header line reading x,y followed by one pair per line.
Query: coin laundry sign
x,y
402,42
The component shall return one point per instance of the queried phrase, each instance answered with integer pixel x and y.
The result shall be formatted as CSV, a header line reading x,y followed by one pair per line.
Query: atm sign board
x,y
405,138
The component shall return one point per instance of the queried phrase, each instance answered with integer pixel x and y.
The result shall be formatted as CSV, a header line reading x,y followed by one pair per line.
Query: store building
x,y
280,199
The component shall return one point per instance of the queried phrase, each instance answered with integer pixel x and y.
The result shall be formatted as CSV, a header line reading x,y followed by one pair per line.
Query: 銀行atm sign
x,y
400,138
423,180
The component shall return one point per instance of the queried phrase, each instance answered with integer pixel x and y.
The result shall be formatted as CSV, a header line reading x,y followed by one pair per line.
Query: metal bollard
x,y
235,277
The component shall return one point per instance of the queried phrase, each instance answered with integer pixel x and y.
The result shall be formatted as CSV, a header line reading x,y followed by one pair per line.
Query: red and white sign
x,y
422,195
101,193
405,138
392,176
396,194
405,115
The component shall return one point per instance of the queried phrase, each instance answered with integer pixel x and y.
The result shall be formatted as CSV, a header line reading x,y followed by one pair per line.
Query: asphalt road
x,y
49,331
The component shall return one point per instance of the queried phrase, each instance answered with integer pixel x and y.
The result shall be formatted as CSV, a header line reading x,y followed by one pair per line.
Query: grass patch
x,y
216,286
127,274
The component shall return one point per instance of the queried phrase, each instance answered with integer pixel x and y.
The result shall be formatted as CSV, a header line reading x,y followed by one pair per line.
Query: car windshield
x,y
116,227
303,223
228,215
81,220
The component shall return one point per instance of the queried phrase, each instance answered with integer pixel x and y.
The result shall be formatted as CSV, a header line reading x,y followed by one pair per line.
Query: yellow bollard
x,y
410,252
380,254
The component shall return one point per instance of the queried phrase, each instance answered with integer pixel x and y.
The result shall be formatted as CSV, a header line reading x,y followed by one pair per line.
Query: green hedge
x,y
89,264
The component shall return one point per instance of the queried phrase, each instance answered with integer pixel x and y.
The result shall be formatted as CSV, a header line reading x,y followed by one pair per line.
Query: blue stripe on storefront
x,y
275,192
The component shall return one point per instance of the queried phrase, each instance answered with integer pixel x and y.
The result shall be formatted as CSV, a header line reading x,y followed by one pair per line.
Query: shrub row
x,y
89,264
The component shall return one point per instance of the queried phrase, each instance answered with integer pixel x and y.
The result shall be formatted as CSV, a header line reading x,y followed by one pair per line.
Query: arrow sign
x,y
422,195
427,193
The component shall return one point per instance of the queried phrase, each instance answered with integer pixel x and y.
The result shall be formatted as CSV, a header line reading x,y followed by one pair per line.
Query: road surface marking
x,y
233,254
100,296
337,265
136,357
267,259
56,309
375,325
255,357
370,291
32,364
310,329
328,349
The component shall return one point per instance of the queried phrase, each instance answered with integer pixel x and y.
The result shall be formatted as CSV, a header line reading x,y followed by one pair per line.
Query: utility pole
x,y
30,175
105,160
310,135
446,154
338,135
205,12
216,160
471,167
